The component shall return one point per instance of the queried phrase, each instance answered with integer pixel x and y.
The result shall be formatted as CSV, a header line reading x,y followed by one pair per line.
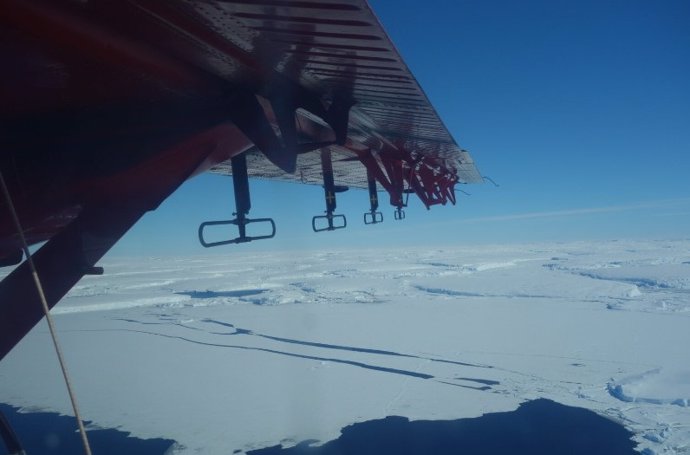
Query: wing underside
x,y
339,49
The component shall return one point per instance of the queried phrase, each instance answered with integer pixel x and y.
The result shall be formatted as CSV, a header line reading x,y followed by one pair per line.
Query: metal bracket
x,y
373,216
330,189
285,97
399,214
93,270
329,218
241,223
240,180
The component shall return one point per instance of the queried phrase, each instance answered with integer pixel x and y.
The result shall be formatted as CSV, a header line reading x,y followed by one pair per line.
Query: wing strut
x,y
48,316
74,251
62,261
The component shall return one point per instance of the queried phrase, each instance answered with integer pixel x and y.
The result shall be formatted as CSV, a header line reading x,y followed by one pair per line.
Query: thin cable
x,y
46,311
490,180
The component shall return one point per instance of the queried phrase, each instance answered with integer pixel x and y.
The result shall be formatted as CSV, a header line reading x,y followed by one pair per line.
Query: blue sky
x,y
580,110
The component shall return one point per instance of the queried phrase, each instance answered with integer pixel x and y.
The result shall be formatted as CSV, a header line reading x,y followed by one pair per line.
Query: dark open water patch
x,y
539,427
49,433
214,294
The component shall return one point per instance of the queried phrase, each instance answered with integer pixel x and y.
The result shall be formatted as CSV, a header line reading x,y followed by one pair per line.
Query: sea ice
x,y
249,351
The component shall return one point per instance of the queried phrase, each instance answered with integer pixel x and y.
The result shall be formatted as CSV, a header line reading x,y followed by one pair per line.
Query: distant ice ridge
x,y
635,278
260,349
657,386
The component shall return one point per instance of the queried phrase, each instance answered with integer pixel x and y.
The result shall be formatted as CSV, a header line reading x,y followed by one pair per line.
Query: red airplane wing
x,y
108,106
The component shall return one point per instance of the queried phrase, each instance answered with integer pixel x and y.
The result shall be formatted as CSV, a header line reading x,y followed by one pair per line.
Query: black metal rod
x,y
328,180
373,196
240,182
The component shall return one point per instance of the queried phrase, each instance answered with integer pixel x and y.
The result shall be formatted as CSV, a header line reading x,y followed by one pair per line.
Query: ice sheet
x,y
247,351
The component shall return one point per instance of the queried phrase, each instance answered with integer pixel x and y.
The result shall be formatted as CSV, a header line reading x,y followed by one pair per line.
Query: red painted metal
x,y
115,204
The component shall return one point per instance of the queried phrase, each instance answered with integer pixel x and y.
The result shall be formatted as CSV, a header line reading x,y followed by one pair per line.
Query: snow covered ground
x,y
240,352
